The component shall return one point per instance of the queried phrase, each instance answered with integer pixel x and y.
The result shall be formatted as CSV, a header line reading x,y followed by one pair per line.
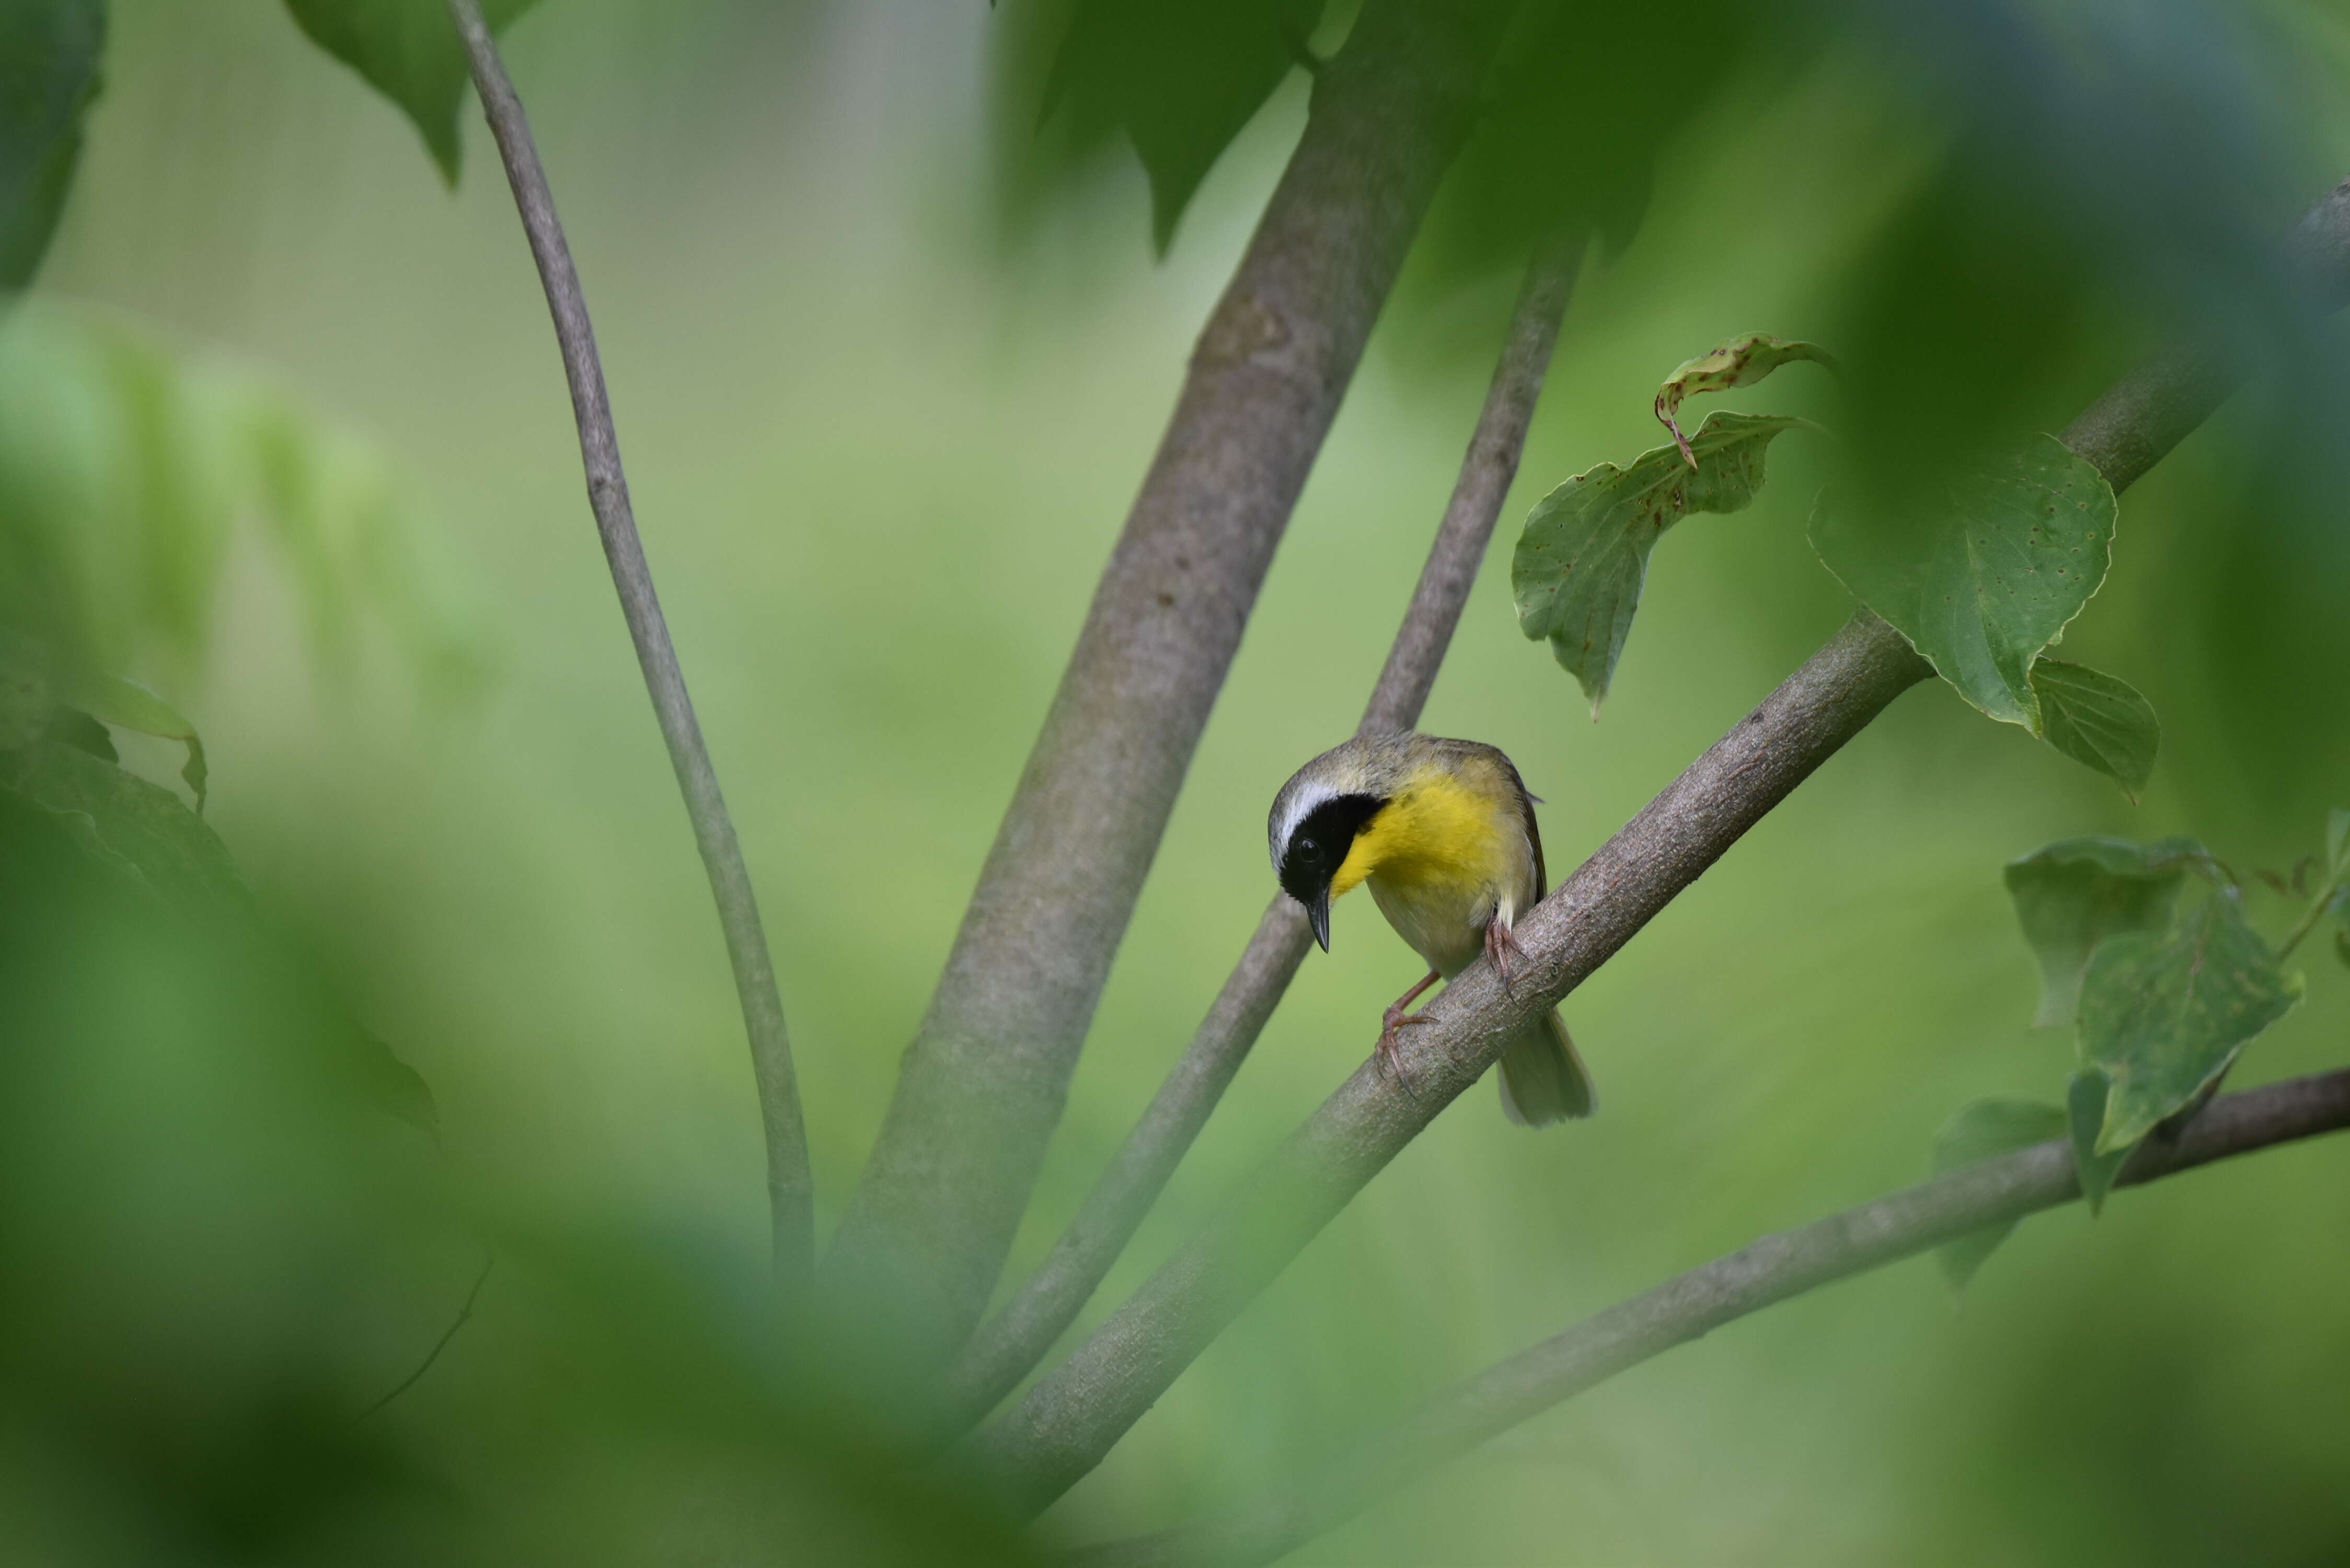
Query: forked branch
x,y
790,1195
983,1085
1018,1337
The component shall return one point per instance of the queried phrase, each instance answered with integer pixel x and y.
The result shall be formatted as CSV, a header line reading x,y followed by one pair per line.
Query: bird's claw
x,y
1502,951
1387,1055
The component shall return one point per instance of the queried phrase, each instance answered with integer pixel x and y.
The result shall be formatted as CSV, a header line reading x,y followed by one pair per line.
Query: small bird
x,y
1444,833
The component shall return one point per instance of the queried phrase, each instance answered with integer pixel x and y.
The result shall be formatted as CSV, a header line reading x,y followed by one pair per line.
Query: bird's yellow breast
x,y
1438,831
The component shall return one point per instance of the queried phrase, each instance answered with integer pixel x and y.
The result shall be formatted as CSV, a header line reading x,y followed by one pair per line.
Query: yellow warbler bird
x,y
1443,832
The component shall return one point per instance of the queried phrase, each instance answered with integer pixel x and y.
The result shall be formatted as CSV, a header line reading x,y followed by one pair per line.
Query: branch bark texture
x,y
984,1080
1069,1419
1018,1337
790,1192
1693,1304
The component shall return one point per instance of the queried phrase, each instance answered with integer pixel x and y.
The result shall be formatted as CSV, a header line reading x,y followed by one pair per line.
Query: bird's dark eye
x,y
1307,845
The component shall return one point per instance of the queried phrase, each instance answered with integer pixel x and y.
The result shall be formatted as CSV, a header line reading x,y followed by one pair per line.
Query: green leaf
x,y
139,829
2073,894
2164,1014
407,51
2094,718
1983,577
2342,942
133,706
1580,563
1181,77
2084,1107
48,77
1979,1131
1740,362
2337,843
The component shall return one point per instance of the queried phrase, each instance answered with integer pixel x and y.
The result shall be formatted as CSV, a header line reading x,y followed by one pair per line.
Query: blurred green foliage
x,y
861,438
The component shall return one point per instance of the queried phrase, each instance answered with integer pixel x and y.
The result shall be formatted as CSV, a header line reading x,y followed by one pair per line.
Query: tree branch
x,y
1071,1417
790,1192
983,1082
1693,1304
1018,1337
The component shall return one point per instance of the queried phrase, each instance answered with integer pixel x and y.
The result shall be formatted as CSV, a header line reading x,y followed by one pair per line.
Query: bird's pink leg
x,y
1396,1018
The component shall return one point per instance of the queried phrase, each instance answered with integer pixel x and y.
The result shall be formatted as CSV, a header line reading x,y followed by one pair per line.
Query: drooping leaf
x,y
2073,894
2164,1014
2342,942
1740,362
48,77
2337,843
1982,578
2094,718
407,51
141,830
2084,1107
1981,1130
1180,78
1580,563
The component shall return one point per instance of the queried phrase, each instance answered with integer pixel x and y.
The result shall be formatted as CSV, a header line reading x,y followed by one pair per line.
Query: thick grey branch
x,y
1018,1337
1070,1419
1693,1304
983,1082
790,1195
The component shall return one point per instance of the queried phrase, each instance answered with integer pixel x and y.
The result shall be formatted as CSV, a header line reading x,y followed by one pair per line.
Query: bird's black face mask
x,y
1316,850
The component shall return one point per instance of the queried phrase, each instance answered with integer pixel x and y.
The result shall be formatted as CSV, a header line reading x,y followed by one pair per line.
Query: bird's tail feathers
x,y
1543,1079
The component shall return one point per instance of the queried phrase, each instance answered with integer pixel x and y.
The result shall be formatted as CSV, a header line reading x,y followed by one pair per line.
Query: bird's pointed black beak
x,y
1317,915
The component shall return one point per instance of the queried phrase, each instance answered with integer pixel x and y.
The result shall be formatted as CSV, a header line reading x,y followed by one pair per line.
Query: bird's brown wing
x,y
1534,832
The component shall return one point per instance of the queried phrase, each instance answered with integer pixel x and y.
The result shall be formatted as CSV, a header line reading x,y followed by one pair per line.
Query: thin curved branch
x,y
983,1085
1018,1337
1070,1419
1693,1304
790,1192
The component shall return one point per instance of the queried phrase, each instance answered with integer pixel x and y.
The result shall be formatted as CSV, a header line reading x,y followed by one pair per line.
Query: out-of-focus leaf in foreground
x,y
141,830
1982,577
1579,564
48,76
407,51
2073,894
133,706
2099,720
1979,1131
2163,1014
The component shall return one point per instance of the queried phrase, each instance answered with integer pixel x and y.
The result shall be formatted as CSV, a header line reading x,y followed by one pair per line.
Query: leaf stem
x,y
790,1195
2311,915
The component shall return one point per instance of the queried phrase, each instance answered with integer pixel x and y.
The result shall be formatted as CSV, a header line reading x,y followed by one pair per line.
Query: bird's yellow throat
x,y
1434,829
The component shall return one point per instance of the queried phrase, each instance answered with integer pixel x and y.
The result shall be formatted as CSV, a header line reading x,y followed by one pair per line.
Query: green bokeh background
x,y
879,442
